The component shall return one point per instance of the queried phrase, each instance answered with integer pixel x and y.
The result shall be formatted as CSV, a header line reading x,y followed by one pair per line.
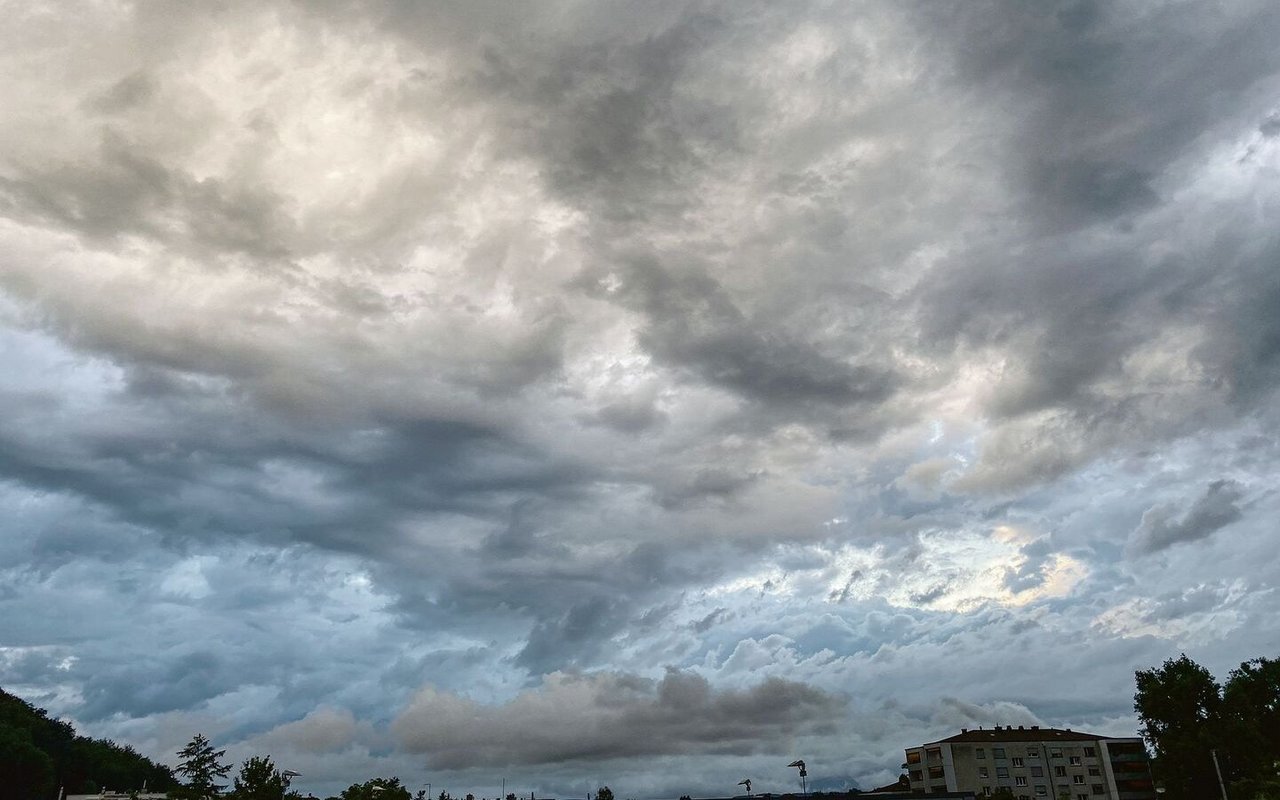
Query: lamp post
x,y
1218,770
804,786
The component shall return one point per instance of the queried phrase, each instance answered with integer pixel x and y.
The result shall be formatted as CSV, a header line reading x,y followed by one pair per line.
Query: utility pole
x,y
1218,770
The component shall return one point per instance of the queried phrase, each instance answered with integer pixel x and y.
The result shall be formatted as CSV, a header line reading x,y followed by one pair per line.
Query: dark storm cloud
x,y
1113,100
1161,527
693,324
157,685
605,716
1114,93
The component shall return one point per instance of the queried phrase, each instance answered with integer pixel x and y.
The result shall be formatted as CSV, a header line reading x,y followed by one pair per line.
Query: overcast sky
x,y
640,393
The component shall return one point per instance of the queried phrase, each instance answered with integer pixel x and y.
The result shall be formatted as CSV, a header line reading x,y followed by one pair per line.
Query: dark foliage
x,y
38,755
377,789
1186,716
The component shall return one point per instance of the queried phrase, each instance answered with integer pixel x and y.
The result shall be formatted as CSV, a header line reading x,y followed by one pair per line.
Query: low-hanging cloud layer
x,y
648,394
620,715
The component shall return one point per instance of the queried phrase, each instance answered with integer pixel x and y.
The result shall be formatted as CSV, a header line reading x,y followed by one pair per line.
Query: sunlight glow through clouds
x,y
955,572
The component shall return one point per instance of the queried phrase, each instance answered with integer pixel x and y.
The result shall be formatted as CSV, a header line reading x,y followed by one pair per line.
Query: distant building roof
x,y
1030,733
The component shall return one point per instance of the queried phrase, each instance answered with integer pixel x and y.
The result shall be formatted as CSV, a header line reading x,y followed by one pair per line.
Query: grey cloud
x,y
630,414
1031,573
574,636
140,690
325,730
693,323
544,331
1195,600
602,716
711,620
127,192
954,713
1161,528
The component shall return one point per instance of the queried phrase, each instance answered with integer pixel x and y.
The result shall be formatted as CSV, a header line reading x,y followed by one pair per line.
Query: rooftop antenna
x,y
747,783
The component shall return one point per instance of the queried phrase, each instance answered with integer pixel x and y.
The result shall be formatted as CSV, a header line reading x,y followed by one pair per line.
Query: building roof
x,y
1032,733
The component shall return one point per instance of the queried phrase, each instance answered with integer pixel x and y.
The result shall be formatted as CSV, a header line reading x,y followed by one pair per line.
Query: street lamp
x,y
804,786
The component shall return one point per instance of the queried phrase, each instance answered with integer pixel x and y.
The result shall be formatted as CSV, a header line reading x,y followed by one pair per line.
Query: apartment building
x,y
1034,763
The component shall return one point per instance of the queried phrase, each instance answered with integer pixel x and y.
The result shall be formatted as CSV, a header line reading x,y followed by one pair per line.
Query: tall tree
x,y
604,793
1180,708
260,780
1251,722
200,767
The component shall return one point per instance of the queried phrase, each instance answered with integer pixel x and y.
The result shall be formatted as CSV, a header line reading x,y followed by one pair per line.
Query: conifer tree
x,y
201,769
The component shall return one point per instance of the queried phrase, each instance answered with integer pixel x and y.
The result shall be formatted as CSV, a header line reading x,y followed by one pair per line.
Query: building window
x,y
934,753
1017,762
1097,788
1082,797
986,791
980,753
1078,780
1060,771
997,752
1033,752
982,772
1095,772
1090,752
1055,752
1074,761
916,775
1037,772
1042,790
1021,780
936,772
1002,772
913,756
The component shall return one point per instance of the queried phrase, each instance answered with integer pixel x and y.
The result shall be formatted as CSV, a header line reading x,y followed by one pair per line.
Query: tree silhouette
x,y
200,767
377,789
1180,708
260,780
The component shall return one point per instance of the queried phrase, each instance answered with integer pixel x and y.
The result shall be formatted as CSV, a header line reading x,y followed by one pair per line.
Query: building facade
x,y
1034,763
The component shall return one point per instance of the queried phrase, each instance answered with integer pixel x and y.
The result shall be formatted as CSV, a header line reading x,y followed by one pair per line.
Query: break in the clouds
x,y
828,369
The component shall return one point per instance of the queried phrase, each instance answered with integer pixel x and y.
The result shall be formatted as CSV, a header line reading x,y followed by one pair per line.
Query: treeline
x,y
203,776
1191,721
38,755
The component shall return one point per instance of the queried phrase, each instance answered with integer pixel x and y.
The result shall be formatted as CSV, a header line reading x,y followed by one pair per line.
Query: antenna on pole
x,y
747,783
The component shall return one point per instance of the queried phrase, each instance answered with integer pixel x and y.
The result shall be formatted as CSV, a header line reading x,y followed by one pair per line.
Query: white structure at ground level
x,y
1033,762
